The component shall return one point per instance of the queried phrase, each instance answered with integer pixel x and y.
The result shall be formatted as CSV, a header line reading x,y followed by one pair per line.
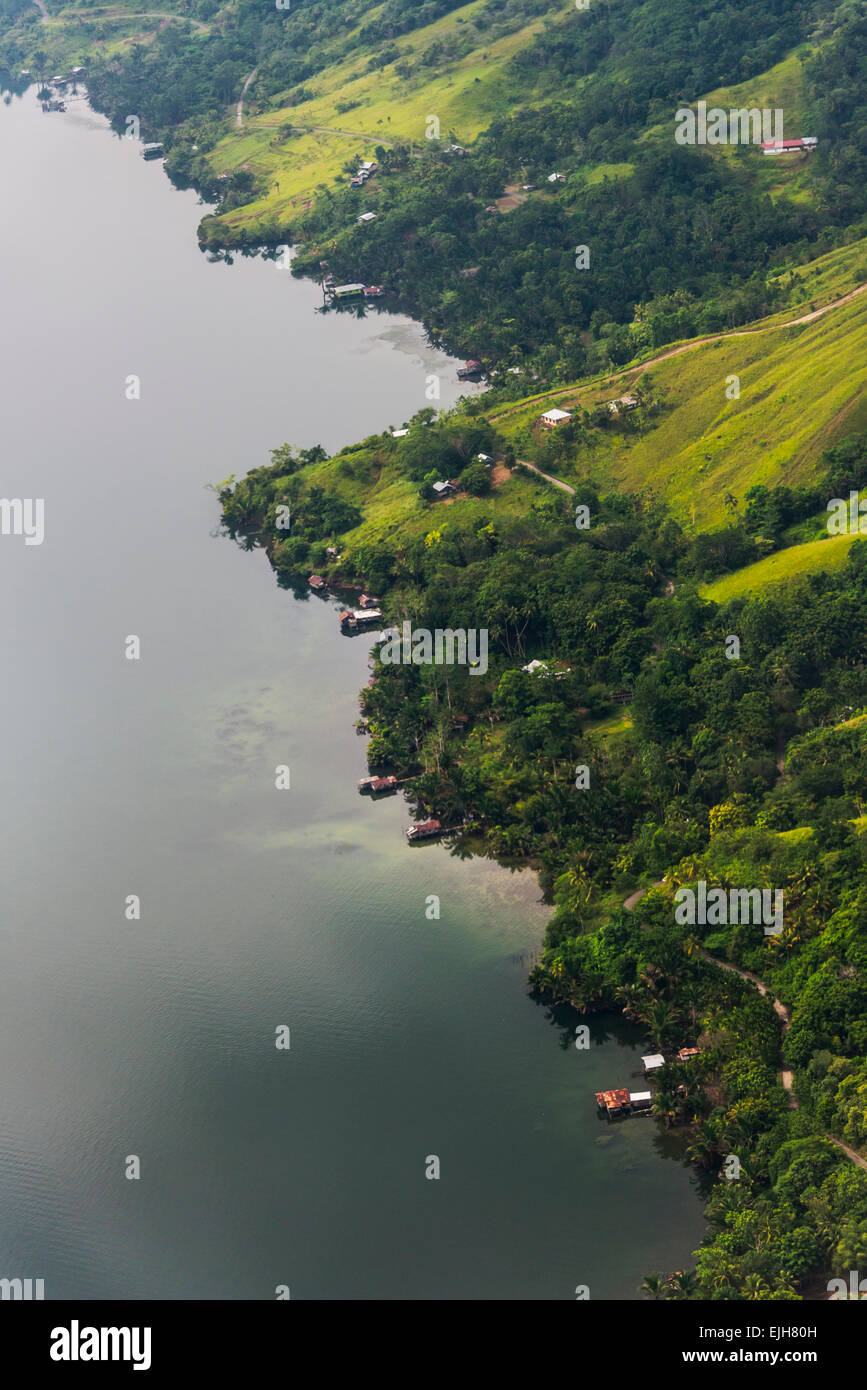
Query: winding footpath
x,y
783,1013
115,12
558,482
239,113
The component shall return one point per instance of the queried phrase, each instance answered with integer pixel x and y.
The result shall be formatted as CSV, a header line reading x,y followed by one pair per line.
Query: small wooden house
x,y
653,1062
613,1102
424,830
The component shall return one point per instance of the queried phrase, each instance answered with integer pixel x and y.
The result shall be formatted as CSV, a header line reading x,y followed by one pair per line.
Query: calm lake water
x,y
259,907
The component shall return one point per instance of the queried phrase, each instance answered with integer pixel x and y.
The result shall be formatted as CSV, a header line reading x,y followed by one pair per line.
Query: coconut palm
x,y
654,1287
683,1283
706,1148
755,1288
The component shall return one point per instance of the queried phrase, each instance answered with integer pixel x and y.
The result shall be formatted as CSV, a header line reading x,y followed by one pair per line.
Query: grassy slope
x,y
783,567
466,98
800,388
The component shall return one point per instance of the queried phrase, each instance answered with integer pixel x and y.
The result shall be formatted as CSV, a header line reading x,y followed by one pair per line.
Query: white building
x,y
551,418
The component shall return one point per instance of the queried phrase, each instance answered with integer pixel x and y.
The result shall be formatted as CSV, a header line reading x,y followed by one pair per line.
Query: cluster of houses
x,y
365,169
622,1101
552,418
367,614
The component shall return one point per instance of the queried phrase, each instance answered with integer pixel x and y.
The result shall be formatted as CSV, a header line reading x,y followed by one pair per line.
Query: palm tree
x,y
706,1148
683,1283
755,1288
654,1287
665,1106
632,998
661,1021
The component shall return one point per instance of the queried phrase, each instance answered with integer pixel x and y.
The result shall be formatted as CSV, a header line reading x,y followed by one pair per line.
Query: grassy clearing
x,y
391,504
784,567
781,87
615,726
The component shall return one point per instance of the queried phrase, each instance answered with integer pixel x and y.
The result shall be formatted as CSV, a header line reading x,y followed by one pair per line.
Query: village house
x,y
542,668
653,1062
623,403
425,830
444,489
807,144
378,785
346,291
364,218
552,418
317,582
613,1102
358,618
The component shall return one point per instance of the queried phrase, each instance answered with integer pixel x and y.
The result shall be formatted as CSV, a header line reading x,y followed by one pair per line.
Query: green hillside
x,y
800,388
782,569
